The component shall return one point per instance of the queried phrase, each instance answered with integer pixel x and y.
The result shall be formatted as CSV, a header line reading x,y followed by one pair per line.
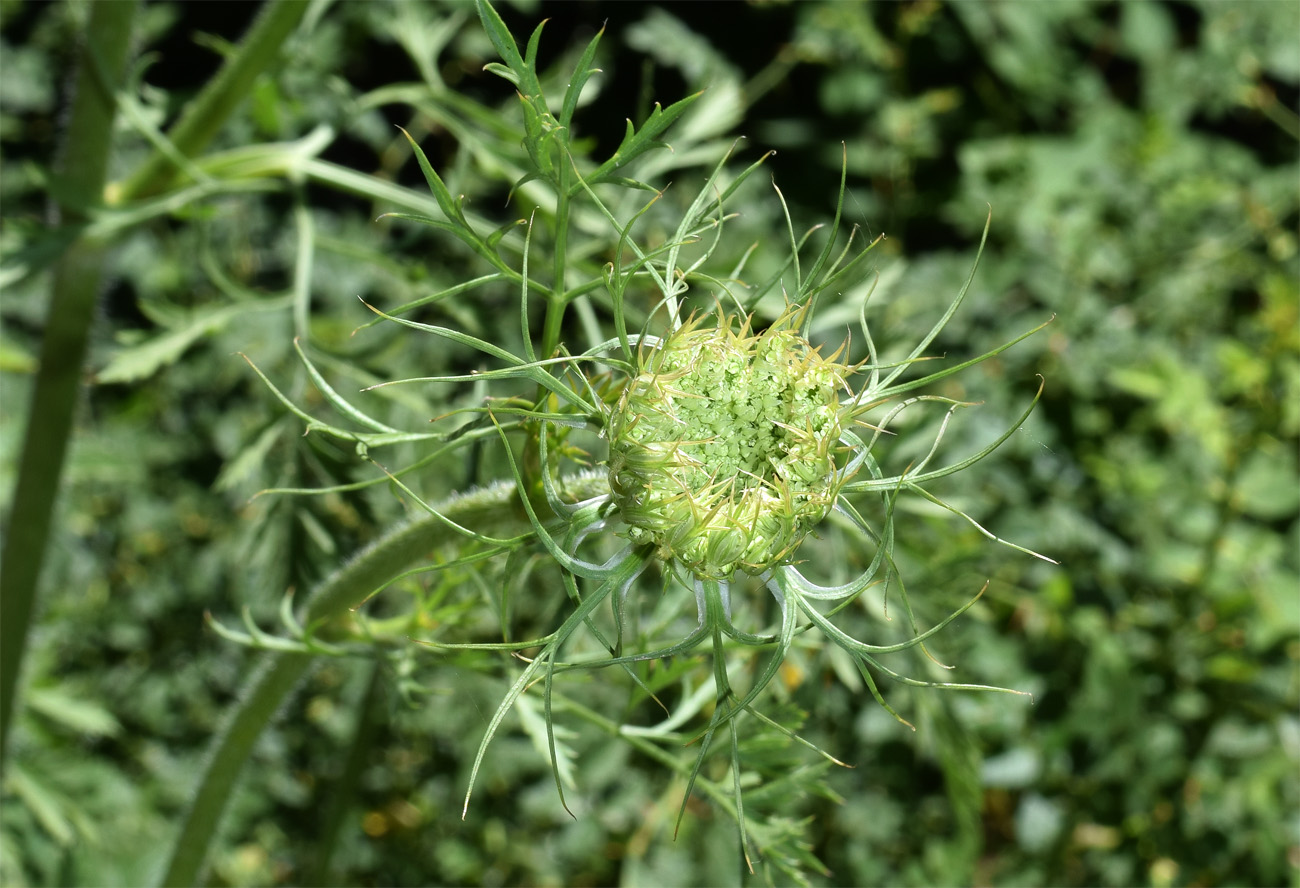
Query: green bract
x,y
723,447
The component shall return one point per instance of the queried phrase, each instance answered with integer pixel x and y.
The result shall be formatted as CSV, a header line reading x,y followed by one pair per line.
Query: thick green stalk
x,y
76,283
271,682
495,507
341,792
54,397
204,117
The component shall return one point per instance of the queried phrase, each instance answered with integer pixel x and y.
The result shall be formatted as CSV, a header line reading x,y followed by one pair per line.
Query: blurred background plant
x,y
1141,162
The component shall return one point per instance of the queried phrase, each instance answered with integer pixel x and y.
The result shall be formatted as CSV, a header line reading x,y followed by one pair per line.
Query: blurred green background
x,y
1140,160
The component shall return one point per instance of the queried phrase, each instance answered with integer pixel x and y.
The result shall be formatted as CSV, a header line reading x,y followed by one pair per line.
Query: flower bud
x,y
723,445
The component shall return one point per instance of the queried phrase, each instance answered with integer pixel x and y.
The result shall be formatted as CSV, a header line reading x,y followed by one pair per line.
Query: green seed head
x,y
723,446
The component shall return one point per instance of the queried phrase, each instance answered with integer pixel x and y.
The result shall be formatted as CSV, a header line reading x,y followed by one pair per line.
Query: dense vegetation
x,y
1140,163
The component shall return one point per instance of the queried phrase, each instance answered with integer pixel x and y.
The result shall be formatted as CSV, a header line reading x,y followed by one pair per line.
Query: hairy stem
x,y
496,507
58,382
272,680
77,278
340,792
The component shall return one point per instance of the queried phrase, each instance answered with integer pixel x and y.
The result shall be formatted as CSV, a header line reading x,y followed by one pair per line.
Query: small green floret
x,y
723,446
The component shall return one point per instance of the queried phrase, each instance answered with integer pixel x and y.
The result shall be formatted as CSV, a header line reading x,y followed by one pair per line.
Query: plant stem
x,y
75,285
204,117
496,507
559,298
274,677
340,792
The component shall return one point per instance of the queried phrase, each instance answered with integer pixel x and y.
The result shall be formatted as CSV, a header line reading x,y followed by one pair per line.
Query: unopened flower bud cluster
x,y
723,446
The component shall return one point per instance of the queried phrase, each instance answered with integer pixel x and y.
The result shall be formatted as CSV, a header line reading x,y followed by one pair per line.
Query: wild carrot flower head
x,y
723,446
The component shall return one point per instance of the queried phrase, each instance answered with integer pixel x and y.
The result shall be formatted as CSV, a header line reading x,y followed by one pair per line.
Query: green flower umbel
x,y
723,446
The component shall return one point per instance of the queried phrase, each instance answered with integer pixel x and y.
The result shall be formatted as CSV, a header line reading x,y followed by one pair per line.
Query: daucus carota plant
x,y
697,440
